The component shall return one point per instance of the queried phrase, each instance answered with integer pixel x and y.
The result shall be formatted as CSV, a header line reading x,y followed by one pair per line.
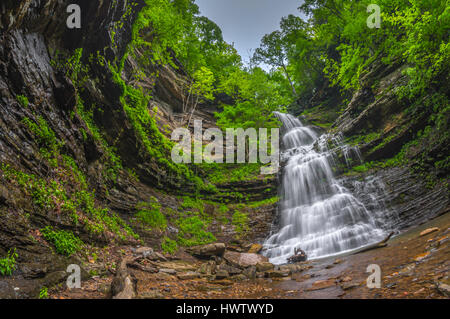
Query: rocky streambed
x,y
413,265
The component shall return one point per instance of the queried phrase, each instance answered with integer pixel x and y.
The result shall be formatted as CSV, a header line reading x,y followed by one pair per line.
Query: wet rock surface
x,y
408,200
206,251
401,275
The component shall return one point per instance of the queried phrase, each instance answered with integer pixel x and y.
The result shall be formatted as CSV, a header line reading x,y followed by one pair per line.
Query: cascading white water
x,y
318,214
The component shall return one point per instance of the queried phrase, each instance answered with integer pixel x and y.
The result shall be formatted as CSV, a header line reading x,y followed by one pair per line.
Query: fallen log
x,y
376,245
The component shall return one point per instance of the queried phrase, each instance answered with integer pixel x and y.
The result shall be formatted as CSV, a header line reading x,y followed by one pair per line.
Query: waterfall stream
x,y
317,213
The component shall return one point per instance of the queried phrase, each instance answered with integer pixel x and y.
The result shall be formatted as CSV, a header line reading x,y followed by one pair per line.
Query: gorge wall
x,y
399,147
74,157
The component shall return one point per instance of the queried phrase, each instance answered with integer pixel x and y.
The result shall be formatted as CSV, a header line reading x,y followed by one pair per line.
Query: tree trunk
x,y
379,244
290,81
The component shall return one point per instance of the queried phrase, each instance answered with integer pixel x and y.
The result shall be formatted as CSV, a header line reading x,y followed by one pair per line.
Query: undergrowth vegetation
x,y
8,263
65,242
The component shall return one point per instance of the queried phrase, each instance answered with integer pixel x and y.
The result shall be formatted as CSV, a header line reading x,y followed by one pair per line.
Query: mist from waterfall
x,y
317,213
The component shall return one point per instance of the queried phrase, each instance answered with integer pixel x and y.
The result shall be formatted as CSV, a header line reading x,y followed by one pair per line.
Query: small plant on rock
x,y
8,264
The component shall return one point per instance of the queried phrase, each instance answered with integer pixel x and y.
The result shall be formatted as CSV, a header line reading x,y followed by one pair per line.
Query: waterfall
x,y
317,213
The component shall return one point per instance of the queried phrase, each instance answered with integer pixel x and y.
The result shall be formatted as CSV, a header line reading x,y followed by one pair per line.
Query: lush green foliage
x,y
337,42
334,43
45,135
59,196
213,65
192,223
150,215
193,231
65,242
169,246
223,173
8,263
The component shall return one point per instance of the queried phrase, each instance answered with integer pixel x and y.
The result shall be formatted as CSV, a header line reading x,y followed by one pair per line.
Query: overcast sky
x,y
245,22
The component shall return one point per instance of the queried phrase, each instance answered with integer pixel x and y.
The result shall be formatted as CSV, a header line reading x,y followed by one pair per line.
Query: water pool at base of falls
x,y
317,213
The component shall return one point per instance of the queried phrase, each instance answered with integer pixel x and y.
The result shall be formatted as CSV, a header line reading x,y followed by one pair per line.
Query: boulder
x,y
443,288
230,269
243,260
238,278
156,256
260,275
128,290
222,274
143,251
292,268
168,271
188,275
277,274
250,272
178,266
299,256
264,266
255,248
207,251
208,268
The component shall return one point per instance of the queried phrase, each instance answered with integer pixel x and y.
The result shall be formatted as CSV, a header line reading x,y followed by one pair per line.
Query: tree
x,y
202,86
273,51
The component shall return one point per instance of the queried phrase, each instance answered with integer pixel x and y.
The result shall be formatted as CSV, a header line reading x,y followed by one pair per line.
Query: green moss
x,y
156,145
136,103
23,100
240,222
192,203
222,173
322,125
443,164
363,139
72,66
150,215
268,201
361,168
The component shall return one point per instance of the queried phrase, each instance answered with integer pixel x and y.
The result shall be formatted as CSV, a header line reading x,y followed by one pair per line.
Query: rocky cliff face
x,y
71,157
379,123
